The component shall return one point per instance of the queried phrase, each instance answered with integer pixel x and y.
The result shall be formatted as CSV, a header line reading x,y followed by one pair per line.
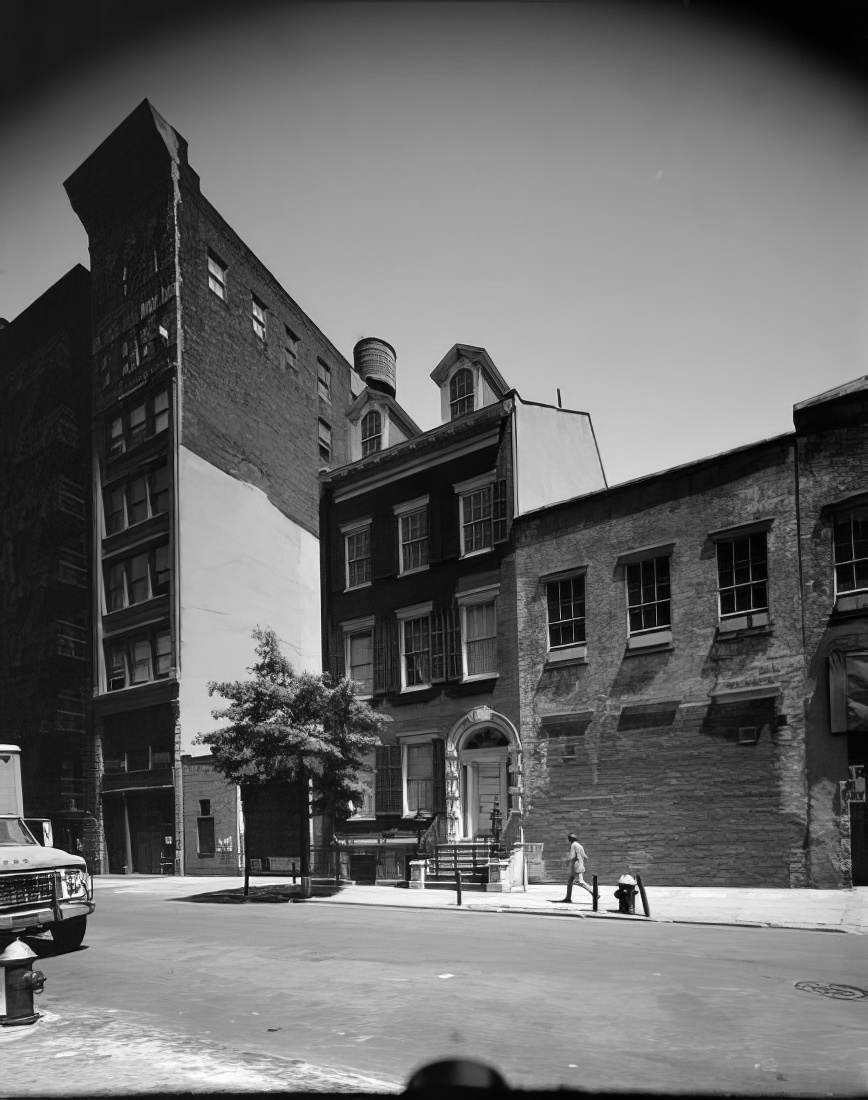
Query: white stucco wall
x,y
556,456
242,564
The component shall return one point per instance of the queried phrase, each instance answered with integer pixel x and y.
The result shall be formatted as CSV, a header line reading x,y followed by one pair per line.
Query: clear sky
x,y
662,215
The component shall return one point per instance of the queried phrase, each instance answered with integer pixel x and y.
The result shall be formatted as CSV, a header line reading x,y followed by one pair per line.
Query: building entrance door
x,y
484,773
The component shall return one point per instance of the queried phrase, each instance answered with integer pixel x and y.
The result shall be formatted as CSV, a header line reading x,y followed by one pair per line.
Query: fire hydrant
x,y
18,983
626,894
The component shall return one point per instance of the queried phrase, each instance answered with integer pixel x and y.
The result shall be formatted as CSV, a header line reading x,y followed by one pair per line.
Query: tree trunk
x,y
304,831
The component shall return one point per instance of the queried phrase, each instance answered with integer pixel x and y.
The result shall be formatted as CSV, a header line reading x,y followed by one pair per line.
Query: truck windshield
x,y
13,831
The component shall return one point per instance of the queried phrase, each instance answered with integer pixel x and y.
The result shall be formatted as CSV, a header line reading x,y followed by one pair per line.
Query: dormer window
x,y
460,393
372,432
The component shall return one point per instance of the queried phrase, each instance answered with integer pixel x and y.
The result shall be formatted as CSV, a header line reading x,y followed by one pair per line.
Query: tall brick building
x,y
694,663
419,585
45,541
183,448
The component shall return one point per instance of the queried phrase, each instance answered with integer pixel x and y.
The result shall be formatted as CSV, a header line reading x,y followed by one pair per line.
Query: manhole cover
x,y
830,989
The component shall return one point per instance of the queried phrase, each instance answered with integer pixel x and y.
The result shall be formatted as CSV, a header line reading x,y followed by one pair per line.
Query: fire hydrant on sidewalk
x,y
626,894
18,983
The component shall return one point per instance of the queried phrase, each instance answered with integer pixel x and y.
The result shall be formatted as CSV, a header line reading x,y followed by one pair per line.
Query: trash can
x,y
626,894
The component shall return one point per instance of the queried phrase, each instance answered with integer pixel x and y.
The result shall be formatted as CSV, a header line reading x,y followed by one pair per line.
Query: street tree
x,y
305,729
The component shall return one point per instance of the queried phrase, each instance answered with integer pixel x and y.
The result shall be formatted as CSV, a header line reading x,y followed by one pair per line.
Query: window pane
x,y
161,570
141,661
116,596
139,580
163,648
361,662
416,652
138,500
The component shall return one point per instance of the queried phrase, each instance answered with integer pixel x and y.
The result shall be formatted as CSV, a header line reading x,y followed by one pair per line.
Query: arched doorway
x,y
483,770
483,760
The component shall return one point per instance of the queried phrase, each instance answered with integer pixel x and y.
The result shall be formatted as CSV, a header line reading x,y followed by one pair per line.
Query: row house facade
x,y
419,599
213,403
693,651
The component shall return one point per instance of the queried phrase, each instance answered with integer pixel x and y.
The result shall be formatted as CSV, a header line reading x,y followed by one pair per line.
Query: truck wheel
x,y
68,934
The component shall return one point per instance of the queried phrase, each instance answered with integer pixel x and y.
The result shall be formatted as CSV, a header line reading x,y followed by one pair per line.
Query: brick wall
x,y
639,752
244,409
833,457
202,781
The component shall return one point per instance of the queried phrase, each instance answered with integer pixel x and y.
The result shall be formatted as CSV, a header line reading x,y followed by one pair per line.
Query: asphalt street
x,y
191,995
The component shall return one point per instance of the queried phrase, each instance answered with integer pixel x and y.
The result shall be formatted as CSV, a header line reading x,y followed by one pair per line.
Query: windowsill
x,y
735,634
480,676
656,642
568,655
356,587
411,572
416,687
849,603
750,620
476,553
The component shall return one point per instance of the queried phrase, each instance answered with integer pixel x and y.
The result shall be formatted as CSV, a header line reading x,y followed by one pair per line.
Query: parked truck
x,y
41,888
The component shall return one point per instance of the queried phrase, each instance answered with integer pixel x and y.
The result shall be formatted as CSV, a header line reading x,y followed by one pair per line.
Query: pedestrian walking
x,y
577,859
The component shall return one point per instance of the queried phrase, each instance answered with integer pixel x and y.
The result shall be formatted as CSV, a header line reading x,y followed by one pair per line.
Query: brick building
x,y
419,587
693,666
215,403
45,595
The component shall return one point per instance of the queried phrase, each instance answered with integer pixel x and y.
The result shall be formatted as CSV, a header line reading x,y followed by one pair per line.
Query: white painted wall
x,y
556,456
242,564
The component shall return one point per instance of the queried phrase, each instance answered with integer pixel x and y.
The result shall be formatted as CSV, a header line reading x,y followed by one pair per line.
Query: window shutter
x,y
439,777
452,630
499,511
838,692
389,788
387,672
337,660
384,547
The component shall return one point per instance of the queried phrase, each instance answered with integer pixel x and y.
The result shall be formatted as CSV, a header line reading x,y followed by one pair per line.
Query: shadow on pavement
x,y
258,895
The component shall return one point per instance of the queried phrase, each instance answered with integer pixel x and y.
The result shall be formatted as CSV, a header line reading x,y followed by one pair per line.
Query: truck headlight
x,y
75,883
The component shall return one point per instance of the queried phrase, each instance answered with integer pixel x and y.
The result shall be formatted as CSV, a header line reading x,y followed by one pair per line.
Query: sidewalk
x,y
814,910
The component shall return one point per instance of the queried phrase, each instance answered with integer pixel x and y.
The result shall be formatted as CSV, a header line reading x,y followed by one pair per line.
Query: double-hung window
x,y
850,539
290,350
138,659
460,393
742,576
217,276
324,435
413,534
419,760
649,615
372,432
359,653
357,554
137,579
565,608
136,499
415,646
136,423
481,513
323,380
478,611
257,310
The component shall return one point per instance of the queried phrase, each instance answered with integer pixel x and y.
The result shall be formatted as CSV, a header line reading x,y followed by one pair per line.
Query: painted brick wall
x,y
243,408
201,781
630,750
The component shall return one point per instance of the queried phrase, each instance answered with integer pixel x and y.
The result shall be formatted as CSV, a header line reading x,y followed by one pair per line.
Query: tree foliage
x,y
282,724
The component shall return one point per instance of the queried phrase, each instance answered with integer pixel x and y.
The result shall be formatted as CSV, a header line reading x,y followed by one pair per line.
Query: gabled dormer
x,y
377,420
468,380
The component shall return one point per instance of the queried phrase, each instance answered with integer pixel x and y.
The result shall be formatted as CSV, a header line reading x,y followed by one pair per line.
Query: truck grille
x,y
25,889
